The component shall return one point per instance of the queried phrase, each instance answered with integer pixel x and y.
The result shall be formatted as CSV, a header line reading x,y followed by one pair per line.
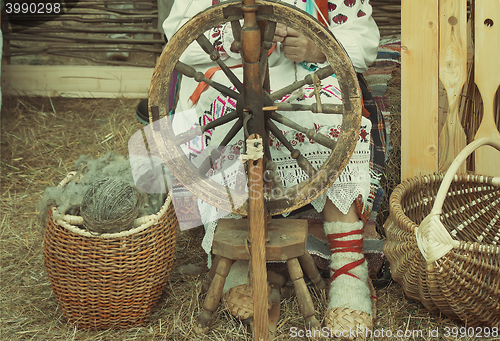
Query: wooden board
x,y
487,64
453,74
76,81
419,87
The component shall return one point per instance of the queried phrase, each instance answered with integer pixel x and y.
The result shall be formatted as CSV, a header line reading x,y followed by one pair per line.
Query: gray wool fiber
x,y
68,199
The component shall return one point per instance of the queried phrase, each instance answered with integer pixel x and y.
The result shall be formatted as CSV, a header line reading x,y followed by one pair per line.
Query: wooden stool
x,y
286,242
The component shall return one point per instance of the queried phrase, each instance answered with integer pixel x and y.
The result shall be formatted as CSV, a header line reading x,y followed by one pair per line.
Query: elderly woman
x,y
348,201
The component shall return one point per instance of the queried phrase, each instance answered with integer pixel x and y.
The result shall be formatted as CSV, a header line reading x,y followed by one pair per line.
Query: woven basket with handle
x,y
109,280
443,242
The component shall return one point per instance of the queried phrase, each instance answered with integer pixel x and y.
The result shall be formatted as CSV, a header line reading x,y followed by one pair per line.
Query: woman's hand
x,y
280,33
299,48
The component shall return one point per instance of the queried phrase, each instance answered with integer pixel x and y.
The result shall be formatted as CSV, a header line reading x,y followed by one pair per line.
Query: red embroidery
x,y
350,3
218,46
334,132
331,7
300,137
236,150
363,134
339,19
361,14
216,32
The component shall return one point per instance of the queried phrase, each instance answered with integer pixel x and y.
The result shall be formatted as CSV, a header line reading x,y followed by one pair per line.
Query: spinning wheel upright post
x,y
251,51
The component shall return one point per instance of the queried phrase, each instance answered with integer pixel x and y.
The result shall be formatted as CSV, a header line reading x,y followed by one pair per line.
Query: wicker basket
x,y
110,280
450,261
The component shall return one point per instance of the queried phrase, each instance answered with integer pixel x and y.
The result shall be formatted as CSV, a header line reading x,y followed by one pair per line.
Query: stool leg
x,y
210,275
312,271
214,294
306,305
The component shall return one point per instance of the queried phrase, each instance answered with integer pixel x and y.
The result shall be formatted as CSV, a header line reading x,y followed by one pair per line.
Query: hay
x,y
392,172
41,139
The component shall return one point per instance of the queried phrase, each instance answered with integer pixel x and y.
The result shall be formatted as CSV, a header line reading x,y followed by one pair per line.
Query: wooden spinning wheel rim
x,y
207,189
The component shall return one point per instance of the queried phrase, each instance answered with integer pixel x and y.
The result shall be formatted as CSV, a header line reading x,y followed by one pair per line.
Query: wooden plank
x,y
487,64
76,81
419,95
453,74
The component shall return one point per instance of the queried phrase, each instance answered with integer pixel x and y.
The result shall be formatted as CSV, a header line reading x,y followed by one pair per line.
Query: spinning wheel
x,y
256,114
256,110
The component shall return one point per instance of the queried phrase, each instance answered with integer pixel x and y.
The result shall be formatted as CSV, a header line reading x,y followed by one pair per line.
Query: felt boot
x,y
351,296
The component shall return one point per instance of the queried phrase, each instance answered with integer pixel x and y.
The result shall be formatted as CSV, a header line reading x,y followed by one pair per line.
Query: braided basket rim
x,y
144,222
70,222
398,215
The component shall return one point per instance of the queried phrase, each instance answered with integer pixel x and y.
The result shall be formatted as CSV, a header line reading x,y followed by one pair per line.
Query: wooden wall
x,y
87,31
81,37
437,53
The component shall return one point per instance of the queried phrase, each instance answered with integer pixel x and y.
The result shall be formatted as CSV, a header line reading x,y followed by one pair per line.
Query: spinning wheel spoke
x,y
294,153
232,133
221,120
215,56
310,133
198,131
266,46
190,72
236,28
216,153
188,135
246,118
320,73
325,108
275,182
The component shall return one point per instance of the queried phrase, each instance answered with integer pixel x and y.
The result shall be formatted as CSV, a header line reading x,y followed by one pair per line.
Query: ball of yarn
x,y
109,206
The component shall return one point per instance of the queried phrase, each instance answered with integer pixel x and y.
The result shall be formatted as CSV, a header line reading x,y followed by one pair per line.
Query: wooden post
x,y
419,95
251,51
257,236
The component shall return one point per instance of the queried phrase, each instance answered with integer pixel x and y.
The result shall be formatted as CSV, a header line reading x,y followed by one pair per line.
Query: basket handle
x,y
452,170
433,239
